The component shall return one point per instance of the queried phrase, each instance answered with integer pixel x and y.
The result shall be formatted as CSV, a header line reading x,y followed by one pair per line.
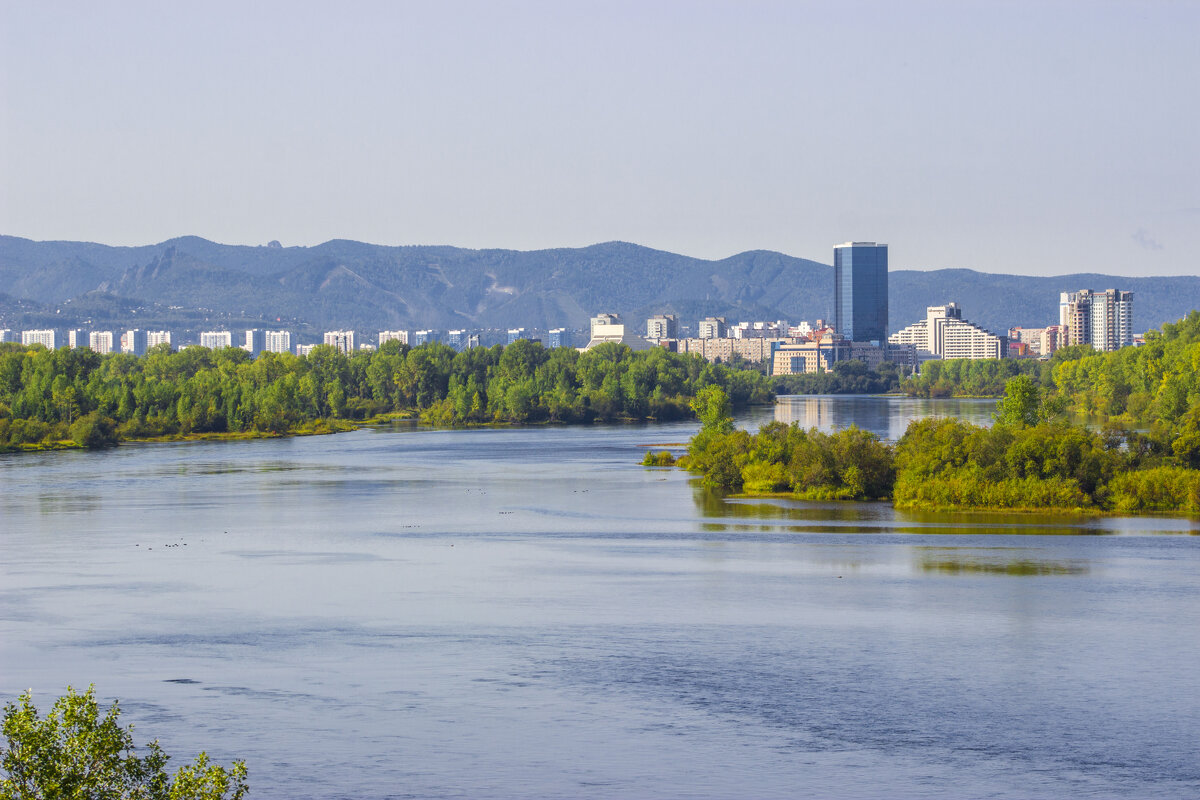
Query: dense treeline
x,y
1029,459
846,377
966,377
53,397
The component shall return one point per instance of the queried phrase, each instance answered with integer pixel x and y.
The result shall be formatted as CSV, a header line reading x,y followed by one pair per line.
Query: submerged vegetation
x,y
77,398
1030,459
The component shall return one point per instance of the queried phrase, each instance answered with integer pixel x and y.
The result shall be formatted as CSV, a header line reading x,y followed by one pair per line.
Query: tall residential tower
x,y
860,286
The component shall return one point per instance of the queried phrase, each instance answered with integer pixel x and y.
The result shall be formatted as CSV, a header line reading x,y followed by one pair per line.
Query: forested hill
x,y
192,281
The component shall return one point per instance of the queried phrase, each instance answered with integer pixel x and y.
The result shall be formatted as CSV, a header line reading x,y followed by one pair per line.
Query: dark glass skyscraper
x,y
860,287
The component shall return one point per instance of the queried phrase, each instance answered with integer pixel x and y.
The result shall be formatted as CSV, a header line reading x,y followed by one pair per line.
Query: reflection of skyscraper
x,y
860,280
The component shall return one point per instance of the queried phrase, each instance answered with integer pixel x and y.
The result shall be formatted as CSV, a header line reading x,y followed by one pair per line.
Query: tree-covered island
x,y
78,398
1141,455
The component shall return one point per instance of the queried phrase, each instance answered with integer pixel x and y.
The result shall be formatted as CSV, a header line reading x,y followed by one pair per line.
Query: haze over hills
x,y
193,282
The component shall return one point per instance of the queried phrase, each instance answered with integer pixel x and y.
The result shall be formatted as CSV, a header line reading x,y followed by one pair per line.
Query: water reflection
x,y
799,516
886,416
993,561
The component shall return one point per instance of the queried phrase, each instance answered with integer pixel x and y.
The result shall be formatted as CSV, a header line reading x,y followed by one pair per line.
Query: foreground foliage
x,y
77,397
1029,460
76,752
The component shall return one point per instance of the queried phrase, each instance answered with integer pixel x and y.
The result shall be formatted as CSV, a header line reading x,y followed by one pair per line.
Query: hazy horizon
x,y
1022,138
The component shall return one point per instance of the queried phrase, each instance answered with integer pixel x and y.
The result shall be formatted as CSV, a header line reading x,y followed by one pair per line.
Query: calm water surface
x,y
528,613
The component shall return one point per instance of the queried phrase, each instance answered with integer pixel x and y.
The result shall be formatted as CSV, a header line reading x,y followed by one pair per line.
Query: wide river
x,y
529,613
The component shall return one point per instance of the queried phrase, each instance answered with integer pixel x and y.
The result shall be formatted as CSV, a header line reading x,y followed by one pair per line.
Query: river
x,y
528,613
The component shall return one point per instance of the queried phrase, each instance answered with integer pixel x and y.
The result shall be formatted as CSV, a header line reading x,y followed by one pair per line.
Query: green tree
x,y
76,752
1021,403
713,409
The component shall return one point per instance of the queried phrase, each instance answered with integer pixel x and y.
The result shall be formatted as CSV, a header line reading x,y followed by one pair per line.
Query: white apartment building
x,y
342,341
101,341
215,340
77,337
45,338
7,335
394,336
304,349
945,334
155,338
277,341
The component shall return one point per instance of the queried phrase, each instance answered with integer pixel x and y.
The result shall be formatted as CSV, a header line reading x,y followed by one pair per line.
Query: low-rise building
x,y
304,349
724,349
819,355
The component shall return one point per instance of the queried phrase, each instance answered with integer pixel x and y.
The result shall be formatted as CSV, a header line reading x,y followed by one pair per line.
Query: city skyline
x,y
1022,138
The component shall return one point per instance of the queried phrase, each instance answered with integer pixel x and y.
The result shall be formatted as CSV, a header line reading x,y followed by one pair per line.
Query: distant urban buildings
x,y
215,340
155,338
945,334
101,342
424,337
46,338
558,337
7,335
254,341
1039,341
608,328
304,349
820,355
516,335
662,326
759,330
342,341
711,328
393,336
1102,319
860,293
277,341
133,342
463,339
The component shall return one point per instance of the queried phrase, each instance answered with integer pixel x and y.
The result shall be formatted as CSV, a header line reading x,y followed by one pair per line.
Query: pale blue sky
x,y
1028,137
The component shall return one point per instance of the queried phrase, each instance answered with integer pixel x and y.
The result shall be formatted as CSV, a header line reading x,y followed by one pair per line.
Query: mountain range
x,y
191,282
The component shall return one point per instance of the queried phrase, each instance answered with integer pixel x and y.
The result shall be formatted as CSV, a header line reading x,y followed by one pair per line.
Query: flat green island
x,y
1140,455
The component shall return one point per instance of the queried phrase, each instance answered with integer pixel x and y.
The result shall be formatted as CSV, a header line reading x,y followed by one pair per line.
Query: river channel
x,y
529,613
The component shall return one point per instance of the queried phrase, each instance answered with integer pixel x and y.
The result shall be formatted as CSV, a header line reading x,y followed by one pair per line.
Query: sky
x,y
1019,137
